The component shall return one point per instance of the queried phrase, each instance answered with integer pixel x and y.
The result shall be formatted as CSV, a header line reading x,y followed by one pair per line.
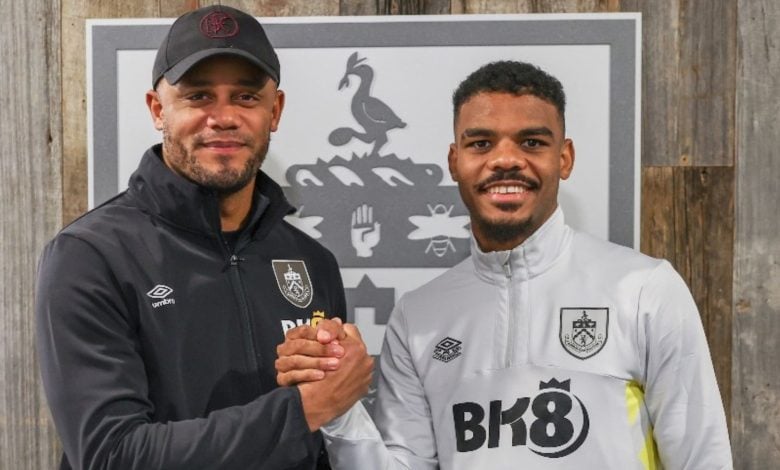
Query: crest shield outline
x,y
293,281
584,330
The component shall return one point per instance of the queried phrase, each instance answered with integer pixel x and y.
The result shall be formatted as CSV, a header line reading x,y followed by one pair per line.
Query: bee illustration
x,y
439,227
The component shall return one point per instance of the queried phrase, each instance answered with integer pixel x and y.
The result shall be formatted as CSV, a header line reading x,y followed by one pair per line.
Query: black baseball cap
x,y
210,31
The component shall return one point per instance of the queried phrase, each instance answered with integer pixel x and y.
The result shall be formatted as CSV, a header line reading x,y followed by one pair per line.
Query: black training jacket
x,y
157,340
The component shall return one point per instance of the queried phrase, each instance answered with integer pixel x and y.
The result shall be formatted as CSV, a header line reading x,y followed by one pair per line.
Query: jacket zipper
x,y
510,315
243,305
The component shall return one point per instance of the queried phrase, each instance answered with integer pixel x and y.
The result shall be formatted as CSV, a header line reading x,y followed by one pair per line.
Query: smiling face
x,y
508,157
217,121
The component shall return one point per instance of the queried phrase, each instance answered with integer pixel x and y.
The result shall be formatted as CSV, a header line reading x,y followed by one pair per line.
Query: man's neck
x,y
234,208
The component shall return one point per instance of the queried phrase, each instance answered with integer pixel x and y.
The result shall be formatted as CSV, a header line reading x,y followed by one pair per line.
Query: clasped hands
x,y
330,366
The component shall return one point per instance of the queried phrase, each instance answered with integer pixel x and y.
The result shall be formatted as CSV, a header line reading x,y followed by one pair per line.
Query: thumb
x,y
352,331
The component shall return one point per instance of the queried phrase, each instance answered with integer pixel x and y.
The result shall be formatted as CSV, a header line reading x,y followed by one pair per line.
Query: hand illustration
x,y
365,232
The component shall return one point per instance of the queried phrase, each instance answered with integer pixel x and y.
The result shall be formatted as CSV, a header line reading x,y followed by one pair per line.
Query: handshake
x,y
330,366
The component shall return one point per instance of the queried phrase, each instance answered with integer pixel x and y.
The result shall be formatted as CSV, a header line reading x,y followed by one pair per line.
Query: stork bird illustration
x,y
376,118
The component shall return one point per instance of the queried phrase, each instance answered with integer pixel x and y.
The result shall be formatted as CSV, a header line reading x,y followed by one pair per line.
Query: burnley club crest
x,y
584,330
293,281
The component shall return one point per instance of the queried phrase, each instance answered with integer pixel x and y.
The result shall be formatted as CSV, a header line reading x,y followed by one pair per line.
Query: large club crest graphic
x,y
362,154
377,209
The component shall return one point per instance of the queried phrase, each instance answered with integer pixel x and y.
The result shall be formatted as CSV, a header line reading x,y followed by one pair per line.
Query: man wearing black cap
x,y
159,312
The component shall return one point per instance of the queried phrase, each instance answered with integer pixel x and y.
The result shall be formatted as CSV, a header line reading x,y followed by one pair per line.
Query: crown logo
x,y
553,383
291,275
584,322
316,317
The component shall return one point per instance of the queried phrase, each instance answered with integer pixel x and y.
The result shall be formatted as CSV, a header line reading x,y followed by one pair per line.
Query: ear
x,y
276,112
155,108
452,161
567,159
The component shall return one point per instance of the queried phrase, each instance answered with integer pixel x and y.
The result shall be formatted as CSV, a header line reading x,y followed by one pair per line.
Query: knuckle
x,y
296,345
298,332
292,332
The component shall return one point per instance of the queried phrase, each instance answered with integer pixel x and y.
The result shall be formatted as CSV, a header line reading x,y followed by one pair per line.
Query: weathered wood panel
x,y
287,7
394,7
688,88
30,190
756,389
74,103
688,63
534,6
687,218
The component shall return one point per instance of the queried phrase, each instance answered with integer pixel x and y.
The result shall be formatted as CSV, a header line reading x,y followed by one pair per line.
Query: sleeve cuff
x,y
354,424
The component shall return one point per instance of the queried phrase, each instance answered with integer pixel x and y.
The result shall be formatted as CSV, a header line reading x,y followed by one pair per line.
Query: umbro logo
x,y
447,349
161,291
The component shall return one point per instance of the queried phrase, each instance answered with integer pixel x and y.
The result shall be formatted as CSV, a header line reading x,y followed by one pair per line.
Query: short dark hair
x,y
514,77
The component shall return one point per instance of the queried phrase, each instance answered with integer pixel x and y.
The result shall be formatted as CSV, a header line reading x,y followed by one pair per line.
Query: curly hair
x,y
514,77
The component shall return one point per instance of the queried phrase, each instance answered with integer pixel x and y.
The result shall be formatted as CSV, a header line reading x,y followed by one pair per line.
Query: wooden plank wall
x,y
756,401
688,138
30,182
710,74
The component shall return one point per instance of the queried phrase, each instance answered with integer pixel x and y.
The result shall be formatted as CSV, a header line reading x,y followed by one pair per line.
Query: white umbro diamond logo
x,y
160,291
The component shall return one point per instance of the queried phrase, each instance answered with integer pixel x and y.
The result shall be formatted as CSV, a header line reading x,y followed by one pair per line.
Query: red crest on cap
x,y
218,24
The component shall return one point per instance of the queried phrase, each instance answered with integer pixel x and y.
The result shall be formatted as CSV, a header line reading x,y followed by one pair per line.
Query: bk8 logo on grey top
x,y
553,423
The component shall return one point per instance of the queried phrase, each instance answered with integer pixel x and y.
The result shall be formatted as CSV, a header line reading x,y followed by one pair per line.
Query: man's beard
x,y
502,232
225,181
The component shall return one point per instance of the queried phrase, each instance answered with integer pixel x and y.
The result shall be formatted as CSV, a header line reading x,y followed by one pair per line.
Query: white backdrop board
x,y
346,176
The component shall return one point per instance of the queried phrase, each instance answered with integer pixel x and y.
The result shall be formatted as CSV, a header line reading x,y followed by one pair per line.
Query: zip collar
x,y
180,202
529,259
